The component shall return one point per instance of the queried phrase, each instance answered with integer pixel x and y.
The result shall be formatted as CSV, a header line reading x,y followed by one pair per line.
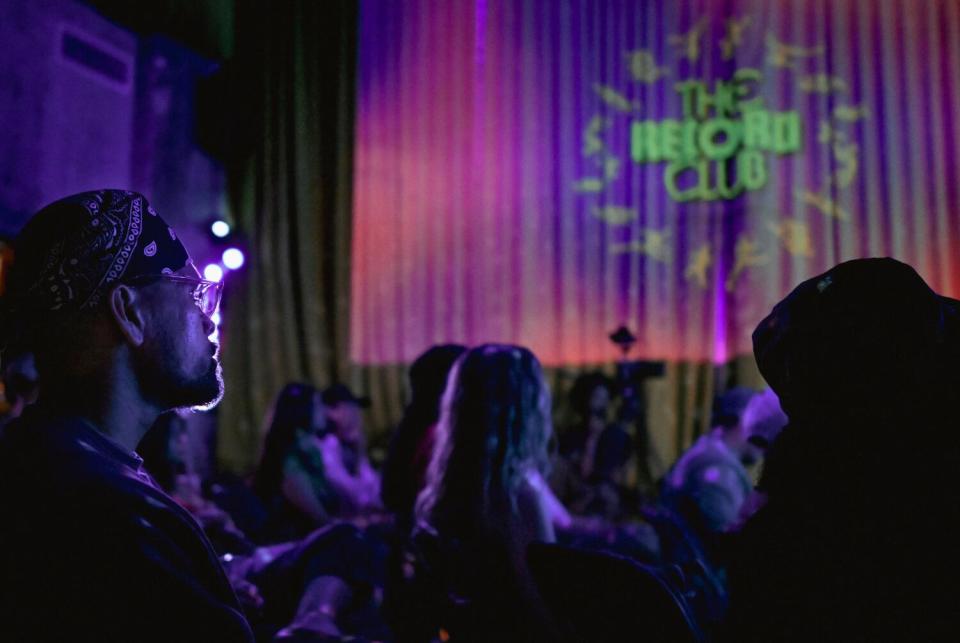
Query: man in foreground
x,y
108,301
857,539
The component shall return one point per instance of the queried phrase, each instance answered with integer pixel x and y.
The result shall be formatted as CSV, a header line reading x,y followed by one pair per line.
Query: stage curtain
x,y
500,190
521,174
290,195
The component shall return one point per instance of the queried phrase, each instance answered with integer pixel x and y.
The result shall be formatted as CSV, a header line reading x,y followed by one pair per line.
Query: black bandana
x,y
72,251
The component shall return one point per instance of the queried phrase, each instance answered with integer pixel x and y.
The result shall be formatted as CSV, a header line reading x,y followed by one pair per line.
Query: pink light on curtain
x,y
497,199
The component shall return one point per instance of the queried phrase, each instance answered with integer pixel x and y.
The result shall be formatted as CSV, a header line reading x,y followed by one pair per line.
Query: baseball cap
x,y
338,393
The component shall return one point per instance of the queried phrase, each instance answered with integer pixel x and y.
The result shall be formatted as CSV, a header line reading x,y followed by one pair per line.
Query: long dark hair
x,y
428,379
494,427
404,471
293,409
493,432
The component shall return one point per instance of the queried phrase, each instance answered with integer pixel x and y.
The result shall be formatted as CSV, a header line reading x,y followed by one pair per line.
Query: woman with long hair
x,y
483,503
291,479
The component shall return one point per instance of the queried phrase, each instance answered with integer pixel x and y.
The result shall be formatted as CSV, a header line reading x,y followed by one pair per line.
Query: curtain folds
x,y
290,193
478,170
562,168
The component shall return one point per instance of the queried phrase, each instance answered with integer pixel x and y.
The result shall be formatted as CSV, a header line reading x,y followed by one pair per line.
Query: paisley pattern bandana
x,y
72,251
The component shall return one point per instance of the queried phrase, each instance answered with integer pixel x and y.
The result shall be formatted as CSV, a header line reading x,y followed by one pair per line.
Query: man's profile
x,y
107,299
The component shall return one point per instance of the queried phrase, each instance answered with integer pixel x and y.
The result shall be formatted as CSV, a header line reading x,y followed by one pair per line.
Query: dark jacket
x,y
91,548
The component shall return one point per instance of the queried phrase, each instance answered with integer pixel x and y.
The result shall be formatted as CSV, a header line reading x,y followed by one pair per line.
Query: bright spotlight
x,y
220,229
232,258
213,272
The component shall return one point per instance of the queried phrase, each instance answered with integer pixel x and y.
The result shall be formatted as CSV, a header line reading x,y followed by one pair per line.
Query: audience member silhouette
x,y
319,583
168,455
291,479
405,470
118,319
857,539
344,450
593,453
482,505
20,385
711,483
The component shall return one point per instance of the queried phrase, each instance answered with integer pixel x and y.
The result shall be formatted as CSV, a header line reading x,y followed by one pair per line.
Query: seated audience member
x,y
857,539
466,573
118,319
593,454
709,491
20,386
319,582
405,471
711,483
168,457
344,450
292,479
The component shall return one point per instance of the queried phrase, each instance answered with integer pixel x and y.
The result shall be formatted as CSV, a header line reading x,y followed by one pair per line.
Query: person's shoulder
x,y
695,453
529,490
35,452
58,465
713,467
707,450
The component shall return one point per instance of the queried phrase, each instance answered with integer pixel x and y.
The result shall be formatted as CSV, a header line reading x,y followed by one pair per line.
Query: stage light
x,y
232,258
220,228
213,272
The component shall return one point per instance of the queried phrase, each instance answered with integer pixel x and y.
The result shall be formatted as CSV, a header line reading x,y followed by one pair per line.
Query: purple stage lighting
x,y
220,229
213,272
233,258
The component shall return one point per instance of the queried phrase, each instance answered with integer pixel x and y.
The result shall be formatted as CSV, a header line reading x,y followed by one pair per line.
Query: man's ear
x,y
126,309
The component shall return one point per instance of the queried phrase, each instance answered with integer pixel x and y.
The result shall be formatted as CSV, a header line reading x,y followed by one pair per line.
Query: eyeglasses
x,y
206,293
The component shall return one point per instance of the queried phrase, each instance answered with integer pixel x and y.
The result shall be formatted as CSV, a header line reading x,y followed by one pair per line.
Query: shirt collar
x,y
90,437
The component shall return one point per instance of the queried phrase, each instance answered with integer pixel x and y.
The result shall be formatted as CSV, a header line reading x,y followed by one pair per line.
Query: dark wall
x,y
67,126
85,104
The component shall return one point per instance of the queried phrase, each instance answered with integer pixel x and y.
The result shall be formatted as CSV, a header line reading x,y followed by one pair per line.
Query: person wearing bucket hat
x,y
856,540
104,295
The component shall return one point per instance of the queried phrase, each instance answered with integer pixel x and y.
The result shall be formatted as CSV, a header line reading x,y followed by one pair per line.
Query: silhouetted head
x,y
864,361
494,428
590,395
428,378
